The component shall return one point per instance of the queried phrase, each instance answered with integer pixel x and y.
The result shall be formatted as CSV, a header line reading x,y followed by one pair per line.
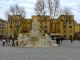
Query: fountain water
x,y
35,38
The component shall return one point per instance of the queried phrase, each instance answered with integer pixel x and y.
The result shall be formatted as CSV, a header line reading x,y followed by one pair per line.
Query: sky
x,y
29,5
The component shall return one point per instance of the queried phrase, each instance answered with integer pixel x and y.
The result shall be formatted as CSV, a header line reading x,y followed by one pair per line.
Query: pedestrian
x,y
7,42
58,40
16,42
3,42
10,42
61,38
71,40
13,42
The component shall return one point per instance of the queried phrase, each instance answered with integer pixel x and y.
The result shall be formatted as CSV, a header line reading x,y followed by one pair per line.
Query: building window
x,y
70,30
45,18
2,27
16,23
70,22
10,26
70,26
10,21
64,30
64,36
64,23
3,24
45,29
64,26
51,26
64,17
70,37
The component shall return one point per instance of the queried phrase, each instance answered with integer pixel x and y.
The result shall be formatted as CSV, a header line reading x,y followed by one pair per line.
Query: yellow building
x,y
63,26
77,30
26,26
3,27
14,25
68,26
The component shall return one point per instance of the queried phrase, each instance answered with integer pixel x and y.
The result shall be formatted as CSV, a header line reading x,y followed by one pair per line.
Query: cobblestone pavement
x,y
66,51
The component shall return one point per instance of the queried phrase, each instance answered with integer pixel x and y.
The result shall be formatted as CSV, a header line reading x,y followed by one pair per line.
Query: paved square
x,y
66,51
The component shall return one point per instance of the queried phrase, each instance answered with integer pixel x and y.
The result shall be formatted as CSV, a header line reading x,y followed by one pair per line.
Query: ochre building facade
x,y
63,26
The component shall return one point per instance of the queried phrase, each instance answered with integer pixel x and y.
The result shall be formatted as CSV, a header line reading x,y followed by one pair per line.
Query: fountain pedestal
x,y
35,38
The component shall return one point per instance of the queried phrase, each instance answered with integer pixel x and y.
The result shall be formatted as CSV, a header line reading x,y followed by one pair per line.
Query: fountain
x,y
35,38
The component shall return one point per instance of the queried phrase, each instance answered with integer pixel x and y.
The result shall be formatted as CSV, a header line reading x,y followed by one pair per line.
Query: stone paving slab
x,y
66,51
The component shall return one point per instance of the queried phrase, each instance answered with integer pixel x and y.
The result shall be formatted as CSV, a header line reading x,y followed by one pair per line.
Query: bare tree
x,y
16,10
67,11
50,4
40,9
50,7
6,14
53,8
56,7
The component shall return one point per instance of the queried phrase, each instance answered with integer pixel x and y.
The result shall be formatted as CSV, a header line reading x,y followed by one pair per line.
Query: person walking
x,y
58,40
13,42
71,40
3,42
16,43
10,42
61,39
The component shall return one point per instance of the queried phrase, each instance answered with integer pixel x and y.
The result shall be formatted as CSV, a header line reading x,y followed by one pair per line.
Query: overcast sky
x,y
29,6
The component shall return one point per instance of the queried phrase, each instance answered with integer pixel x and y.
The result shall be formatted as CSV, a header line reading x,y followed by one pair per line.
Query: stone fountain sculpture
x,y
35,38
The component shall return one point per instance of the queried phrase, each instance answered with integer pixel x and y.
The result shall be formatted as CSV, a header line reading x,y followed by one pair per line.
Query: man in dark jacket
x,y
58,40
